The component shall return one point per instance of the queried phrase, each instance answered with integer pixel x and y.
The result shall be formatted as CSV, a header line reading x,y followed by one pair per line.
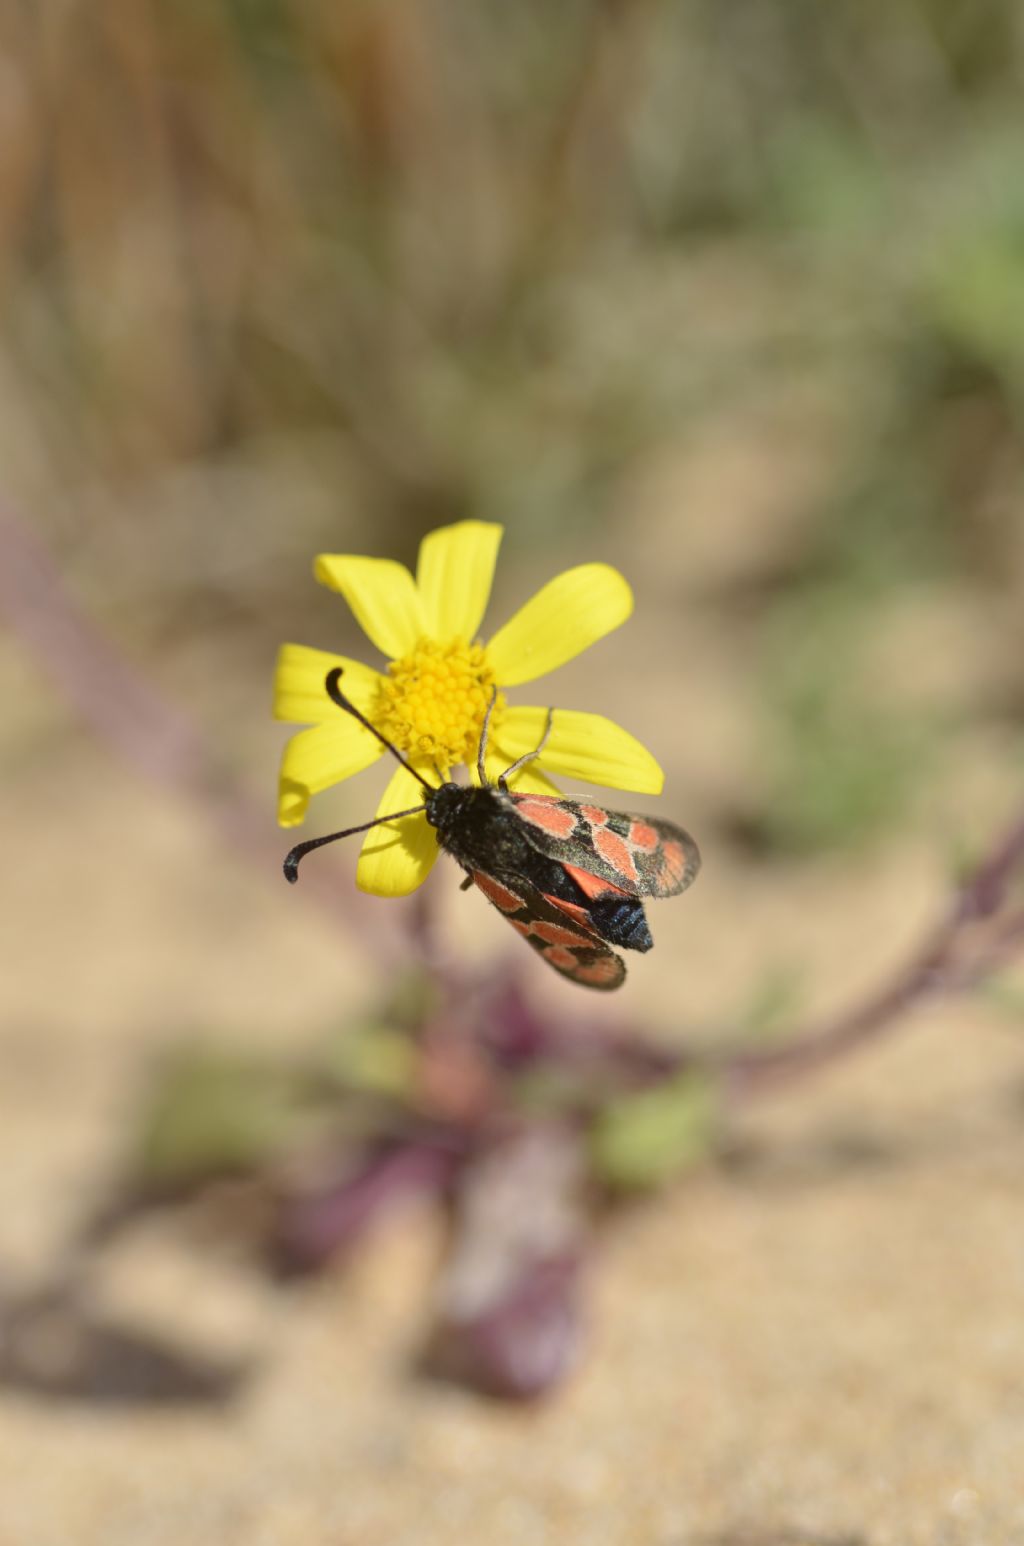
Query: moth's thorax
x,y
474,825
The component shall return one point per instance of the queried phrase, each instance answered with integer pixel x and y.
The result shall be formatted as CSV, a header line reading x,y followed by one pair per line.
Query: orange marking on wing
x,y
600,971
673,861
594,814
548,814
571,909
552,934
615,851
592,885
524,929
642,835
558,955
497,893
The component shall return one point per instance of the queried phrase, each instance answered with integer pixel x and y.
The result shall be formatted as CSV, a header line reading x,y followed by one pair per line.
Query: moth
x,y
569,875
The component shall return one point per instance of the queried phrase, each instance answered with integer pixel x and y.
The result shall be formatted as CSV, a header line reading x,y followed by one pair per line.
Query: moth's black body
x,y
474,826
621,921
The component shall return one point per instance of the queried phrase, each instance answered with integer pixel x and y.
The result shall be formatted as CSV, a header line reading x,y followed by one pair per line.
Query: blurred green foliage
x,y
772,1004
466,239
845,765
1006,994
211,1113
640,1141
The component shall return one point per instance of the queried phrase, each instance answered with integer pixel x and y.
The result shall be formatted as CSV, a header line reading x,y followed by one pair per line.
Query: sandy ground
x,y
818,1341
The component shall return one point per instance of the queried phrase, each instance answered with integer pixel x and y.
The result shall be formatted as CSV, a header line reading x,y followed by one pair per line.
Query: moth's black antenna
x,y
335,694
521,762
291,863
481,750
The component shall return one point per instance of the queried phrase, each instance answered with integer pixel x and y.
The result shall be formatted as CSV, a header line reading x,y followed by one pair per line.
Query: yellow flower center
x,y
433,701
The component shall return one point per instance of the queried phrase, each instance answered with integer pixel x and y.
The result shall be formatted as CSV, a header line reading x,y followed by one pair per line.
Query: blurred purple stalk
x,y
319,1225
151,735
509,1319
950,960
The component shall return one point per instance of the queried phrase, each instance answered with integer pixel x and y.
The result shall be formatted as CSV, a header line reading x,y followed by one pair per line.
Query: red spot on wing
x,y
642,835
594,814
560,956
571,909
615,851
592,885
554,934
497,893
673,862
549,814
597,973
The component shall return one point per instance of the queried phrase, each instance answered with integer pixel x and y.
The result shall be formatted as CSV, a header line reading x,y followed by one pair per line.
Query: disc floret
x,y
432,702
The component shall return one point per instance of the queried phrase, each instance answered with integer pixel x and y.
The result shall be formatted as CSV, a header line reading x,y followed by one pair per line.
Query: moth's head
x,y
446,806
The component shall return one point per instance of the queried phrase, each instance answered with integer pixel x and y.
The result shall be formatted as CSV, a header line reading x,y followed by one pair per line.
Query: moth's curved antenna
x,y
336,695
521,762
299,852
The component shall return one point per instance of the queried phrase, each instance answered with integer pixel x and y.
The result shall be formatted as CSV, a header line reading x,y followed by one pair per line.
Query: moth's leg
x,y
521,762
467,882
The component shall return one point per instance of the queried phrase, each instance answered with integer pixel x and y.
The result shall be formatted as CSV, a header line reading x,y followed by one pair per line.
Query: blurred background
x,y
730,296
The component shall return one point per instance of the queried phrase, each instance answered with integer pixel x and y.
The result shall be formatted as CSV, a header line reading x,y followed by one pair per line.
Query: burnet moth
x,y
568,875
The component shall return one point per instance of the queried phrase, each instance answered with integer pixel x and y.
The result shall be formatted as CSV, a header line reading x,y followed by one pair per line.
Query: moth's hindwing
x,y
558,936
609,850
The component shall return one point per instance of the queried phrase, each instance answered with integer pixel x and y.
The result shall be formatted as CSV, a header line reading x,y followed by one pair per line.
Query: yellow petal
x,y
316,758
382,595
398,857
299,684
583,746
567,616
454,573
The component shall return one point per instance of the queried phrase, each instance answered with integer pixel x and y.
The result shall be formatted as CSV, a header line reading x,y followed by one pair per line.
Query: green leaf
x,y
639,1141
375,1058
772,1003
1005,995
213,1113
547,1089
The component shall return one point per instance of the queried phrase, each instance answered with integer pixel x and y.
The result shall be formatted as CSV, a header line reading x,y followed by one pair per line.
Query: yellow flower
x,y
431,699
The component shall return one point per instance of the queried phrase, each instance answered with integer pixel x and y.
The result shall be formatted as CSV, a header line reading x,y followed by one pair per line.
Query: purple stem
x,y
984,892
108,693
316,1226
933,969
516,1037
509,1318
